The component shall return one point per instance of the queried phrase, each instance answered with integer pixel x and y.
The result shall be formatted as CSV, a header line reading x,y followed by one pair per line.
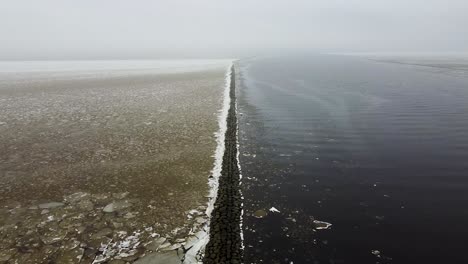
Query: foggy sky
x,y
93,29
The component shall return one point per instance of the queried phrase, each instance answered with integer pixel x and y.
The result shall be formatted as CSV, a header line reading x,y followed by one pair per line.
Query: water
x,y
377,149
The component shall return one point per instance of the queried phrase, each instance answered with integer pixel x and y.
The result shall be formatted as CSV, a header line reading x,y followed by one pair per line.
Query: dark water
x,y
379,150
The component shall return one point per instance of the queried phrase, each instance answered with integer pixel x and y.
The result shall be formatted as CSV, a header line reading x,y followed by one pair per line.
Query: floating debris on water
x,y
260,213
274,210
321,225
378,217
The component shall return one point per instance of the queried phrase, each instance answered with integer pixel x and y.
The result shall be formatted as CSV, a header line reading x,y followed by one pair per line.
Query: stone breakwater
x,y
225,244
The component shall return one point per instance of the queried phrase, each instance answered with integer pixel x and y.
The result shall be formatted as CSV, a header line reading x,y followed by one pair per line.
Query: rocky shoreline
x,y
225,244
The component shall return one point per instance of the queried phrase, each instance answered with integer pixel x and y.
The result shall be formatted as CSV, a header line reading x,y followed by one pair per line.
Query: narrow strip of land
x,y
225,234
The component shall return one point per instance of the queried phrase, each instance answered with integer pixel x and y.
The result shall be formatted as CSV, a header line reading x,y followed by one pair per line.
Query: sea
x,y
349,159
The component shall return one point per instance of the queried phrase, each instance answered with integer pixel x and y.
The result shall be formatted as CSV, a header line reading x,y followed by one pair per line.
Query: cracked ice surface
x,y
104,160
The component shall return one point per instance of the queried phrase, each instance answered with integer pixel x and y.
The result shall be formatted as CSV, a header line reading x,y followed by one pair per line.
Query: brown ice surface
x,y
95,161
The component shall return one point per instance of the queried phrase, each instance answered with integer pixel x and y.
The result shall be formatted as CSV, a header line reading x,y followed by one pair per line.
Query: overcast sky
x,y
89,29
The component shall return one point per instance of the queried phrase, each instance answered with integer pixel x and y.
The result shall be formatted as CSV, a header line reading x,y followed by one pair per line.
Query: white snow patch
x,y
125,66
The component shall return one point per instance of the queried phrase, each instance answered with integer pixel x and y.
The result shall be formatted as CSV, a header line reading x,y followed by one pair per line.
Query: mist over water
x,y
109,29
379,150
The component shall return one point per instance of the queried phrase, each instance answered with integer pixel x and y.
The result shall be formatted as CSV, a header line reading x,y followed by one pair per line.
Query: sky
x,y
151,29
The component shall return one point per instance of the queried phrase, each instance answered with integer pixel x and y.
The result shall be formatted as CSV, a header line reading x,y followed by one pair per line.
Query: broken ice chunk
x,y
274,210
321,224
50,205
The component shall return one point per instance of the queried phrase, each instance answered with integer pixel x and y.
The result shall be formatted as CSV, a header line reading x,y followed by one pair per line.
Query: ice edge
x,y
197,250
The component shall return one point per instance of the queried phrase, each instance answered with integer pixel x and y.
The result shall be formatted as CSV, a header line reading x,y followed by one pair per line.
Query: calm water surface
x,y
379,150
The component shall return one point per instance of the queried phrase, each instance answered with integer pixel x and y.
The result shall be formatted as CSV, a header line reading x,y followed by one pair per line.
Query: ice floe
x,y
274,210
321,225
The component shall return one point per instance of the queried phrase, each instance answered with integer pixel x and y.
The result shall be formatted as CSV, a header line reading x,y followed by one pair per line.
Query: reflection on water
x,y
114,159
378,150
